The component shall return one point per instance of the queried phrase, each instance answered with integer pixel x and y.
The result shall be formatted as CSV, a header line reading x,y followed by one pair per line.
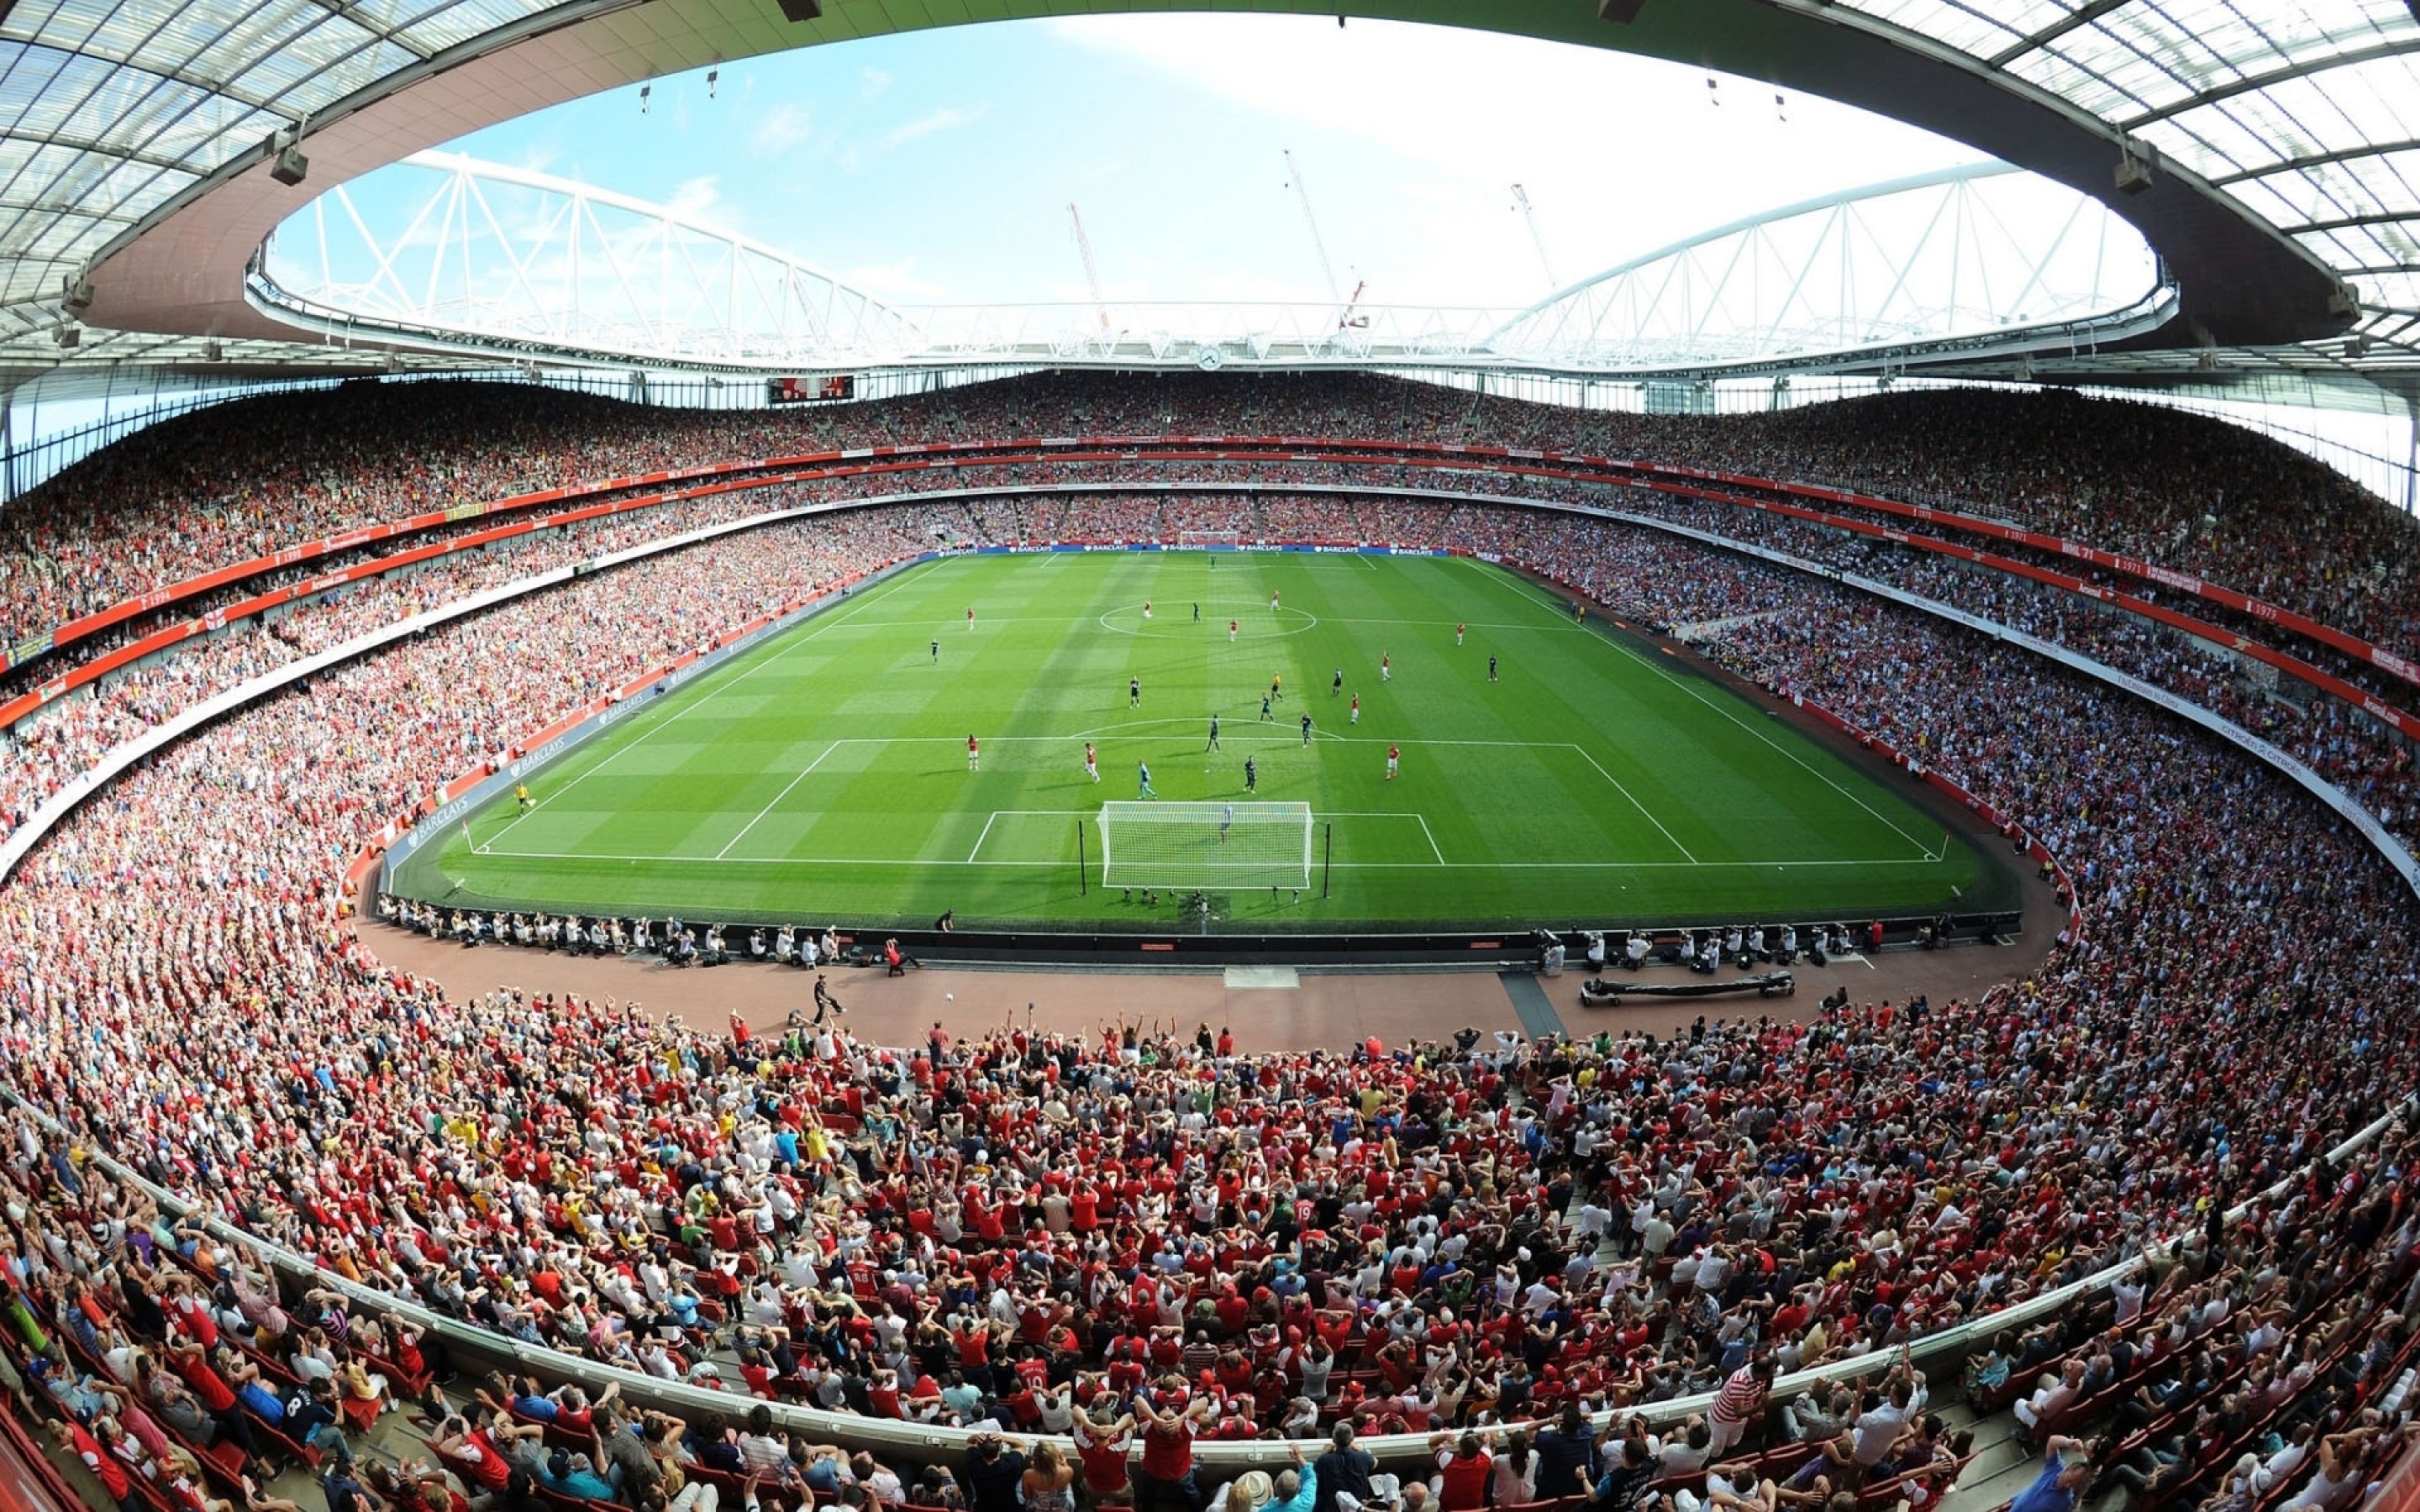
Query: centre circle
x,y
1255,623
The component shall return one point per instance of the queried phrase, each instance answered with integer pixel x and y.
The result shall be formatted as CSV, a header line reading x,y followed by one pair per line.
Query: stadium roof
x,y
2281,138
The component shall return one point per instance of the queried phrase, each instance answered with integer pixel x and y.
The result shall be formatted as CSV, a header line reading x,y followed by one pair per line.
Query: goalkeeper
x,y
1142,775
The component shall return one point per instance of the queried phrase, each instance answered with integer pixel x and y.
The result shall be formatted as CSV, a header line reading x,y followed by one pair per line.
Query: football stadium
x,y
936,756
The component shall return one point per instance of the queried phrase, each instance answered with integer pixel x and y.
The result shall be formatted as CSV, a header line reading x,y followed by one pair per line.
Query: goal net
x,y
1205,844
1209,538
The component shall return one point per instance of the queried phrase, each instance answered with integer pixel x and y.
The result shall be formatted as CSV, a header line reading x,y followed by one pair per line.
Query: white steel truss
x,y
450,254
1208,333
1956,256
472,253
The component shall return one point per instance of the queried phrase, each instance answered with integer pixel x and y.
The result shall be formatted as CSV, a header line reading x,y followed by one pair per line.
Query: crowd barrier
x,y
1591,471
2332,797
1937,1355
915,1442
2396,855
2225,640
1145,946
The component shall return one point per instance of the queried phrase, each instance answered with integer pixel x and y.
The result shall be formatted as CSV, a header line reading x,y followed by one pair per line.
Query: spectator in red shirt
x,y
1103,1440
211,1389
1464,1470
1164,1481
114,1479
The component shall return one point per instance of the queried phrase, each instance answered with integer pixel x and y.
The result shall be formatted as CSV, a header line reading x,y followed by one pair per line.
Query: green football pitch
x,y
823,775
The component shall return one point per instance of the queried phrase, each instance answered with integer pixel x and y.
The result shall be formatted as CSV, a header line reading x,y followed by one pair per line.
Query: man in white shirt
x,y
2280,1467
1592,1223
2053,1398
1655,1236
1878,1427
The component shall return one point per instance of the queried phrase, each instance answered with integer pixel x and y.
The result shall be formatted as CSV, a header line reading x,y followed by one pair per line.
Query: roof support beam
x,y
152,68
2252,83
80,210
2243,280
2347,222
100,149
2318,159
390,35
2080,16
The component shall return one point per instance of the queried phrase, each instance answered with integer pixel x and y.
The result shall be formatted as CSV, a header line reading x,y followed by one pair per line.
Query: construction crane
x,y
1092,271
1521,199
1318,244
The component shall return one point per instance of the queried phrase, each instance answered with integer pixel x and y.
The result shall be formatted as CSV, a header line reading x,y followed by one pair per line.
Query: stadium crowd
x,y
1026,1231
68,737
243,479
2361,755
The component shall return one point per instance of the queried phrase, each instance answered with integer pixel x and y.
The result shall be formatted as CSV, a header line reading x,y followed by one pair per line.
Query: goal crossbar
x,y
1214,844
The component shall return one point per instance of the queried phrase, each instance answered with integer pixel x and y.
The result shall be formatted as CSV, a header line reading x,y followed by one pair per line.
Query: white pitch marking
x,y
829,618
985,835
1635,802
777,800
1820,776
1684,686
1433,844
1527,590
1357,866
1230,609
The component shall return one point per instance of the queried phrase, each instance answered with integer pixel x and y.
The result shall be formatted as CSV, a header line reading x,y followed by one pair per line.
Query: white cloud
x,y
783,128
1167,130
948,117
895,281
700,199
1619,154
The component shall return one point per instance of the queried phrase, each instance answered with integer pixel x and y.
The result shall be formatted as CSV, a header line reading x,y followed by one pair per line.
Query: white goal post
x,y
1203,539
1153,844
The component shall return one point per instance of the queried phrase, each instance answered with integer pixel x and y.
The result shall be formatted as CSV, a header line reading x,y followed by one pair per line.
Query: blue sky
x,y
937,166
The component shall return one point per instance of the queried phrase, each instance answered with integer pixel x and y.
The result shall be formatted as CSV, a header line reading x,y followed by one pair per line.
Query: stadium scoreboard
x,y
824,389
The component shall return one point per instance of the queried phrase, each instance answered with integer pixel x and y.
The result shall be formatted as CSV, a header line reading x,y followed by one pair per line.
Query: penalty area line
x,y
1341,865
777,800
1635,802
703,692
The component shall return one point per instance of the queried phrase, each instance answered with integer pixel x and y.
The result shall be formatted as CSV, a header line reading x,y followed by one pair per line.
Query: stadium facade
x,y
2266,161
